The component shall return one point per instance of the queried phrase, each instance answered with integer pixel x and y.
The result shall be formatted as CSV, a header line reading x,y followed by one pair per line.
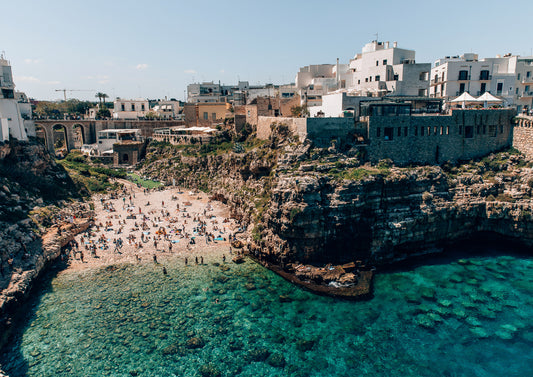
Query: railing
x,y
527,80
485,77
464,78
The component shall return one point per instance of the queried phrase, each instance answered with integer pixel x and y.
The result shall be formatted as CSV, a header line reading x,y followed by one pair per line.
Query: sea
x,y
458,315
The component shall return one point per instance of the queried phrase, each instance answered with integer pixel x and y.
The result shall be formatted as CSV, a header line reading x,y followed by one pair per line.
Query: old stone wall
x,y
523,135
319,130
296,125
463,135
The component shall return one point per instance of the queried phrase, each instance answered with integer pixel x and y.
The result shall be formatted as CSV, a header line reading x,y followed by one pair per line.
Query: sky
x,y
153,49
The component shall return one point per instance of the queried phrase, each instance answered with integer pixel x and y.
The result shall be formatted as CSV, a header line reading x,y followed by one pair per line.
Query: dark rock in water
x,y
170,350
195,342
305,344
209,370
428,293
249,286
276,360
235,345
258,354
222,279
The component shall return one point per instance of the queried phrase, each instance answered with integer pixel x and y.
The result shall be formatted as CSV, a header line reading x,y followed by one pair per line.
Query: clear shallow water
x,y
472,317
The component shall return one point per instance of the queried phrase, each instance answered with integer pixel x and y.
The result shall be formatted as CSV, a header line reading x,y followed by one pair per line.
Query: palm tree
x,y
99,95
104,96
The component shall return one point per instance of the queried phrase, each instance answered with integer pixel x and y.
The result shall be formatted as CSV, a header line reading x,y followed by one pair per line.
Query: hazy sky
x,y
155,48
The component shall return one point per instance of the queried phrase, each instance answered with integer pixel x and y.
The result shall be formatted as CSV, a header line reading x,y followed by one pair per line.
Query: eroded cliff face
x,y
322,206
380,219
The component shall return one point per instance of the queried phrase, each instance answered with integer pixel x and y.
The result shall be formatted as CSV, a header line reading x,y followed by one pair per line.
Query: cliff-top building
x,y
380,69
509,77
15,109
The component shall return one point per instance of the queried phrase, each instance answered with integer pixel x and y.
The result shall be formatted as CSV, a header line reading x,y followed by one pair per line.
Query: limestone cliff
x,y
324,206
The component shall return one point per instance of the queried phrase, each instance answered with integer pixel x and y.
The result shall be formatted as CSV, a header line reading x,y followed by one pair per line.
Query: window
x,y
469,132
447,130
516,91
142,106
422,131
384,61
526,89
206,116
399,131
416,131
132,107
436,79
377,63
358,81
528,74
463,75
499,88
492,130
484,75
483,88
395,77
214,116
518,77
388,133
484,129
405,131
366,79
370,79
377,78
461,88
378,132
443,74
122,107
249,112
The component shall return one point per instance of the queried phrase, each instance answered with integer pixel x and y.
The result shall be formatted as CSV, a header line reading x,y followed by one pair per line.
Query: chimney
x,y
387,44
394,44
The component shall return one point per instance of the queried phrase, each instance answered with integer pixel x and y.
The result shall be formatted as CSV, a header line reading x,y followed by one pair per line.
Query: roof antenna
x,y
377,37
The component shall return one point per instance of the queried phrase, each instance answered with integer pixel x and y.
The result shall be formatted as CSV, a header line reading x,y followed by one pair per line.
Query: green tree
x,y
299,111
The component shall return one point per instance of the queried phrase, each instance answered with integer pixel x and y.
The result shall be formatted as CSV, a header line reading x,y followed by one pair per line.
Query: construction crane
x,y
73,90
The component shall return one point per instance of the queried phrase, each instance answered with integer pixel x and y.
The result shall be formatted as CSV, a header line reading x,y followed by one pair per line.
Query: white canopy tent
x,y
464,99
487,98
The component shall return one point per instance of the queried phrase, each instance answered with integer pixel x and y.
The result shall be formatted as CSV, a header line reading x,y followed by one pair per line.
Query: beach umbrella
x,y
464,99
487,98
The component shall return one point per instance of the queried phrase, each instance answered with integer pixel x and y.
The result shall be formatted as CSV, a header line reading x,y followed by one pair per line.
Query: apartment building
x,y
509,77
15,108
380,69
130,108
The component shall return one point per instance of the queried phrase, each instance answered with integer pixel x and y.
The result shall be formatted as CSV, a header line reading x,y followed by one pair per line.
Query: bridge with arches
x,y
88,129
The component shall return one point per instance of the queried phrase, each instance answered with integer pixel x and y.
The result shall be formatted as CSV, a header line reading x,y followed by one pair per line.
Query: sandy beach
x,y
139,225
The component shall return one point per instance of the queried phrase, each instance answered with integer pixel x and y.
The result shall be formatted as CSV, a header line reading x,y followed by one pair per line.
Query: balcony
x,y
485,77
436,82
464,77
526,80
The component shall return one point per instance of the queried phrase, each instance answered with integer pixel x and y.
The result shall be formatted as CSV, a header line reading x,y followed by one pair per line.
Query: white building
x,y
15,108
314,81
167,109
106,139
509,77
130,108
380,69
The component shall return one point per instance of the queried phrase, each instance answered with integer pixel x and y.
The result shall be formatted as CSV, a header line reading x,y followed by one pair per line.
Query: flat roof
x,y
120,130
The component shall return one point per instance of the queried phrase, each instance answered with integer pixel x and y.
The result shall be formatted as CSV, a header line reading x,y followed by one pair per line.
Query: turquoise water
x,y
470,317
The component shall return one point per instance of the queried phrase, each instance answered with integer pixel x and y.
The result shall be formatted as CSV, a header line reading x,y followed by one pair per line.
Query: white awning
x,y
465,97
487,97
